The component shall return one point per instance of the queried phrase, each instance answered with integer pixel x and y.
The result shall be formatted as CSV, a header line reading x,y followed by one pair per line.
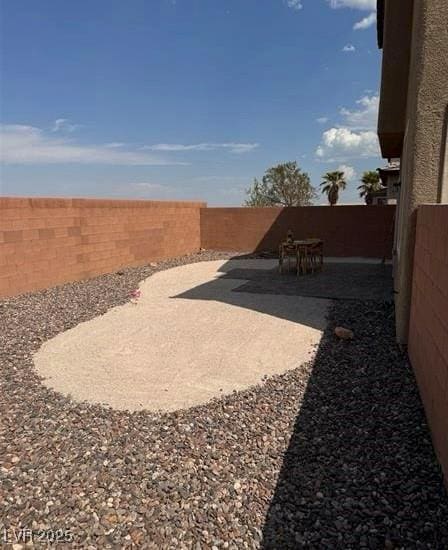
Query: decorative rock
x,y
344,333
244,471
137,536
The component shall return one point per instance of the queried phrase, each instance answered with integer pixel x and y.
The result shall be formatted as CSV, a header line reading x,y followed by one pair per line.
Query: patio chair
x,y
315,256
302,259
286,250
309,257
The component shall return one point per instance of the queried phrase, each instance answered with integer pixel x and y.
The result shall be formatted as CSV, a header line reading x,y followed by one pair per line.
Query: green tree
x,y
258,194
332,184
282,185
370,183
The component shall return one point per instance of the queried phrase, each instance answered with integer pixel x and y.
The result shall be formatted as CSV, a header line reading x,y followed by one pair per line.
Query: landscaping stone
x,y
344,333
335,453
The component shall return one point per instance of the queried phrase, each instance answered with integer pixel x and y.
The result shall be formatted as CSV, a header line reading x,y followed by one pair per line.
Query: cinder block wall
x,y
365,231
428,327
44,242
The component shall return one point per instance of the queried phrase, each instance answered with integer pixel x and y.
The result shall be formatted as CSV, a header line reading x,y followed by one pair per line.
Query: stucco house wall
x,y
423,145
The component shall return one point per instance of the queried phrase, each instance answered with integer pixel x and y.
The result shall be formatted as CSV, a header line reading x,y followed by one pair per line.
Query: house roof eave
x,y
380,22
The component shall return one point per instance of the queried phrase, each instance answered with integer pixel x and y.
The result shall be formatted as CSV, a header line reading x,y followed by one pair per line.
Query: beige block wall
x,y
428,329
45,242
365,231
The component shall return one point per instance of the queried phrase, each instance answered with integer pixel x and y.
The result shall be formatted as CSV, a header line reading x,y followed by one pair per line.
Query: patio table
x,y
308,254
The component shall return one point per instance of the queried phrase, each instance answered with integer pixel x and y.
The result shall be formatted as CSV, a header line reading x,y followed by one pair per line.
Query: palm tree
x,y
333,182
370,183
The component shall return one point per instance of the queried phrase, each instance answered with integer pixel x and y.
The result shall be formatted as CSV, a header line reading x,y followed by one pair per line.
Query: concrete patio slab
x,y
170,351
337,281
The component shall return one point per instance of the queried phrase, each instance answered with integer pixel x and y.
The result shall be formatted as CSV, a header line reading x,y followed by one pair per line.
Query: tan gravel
x,y
187,340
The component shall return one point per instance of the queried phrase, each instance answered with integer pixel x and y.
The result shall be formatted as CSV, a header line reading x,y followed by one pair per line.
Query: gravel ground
x,y
334,454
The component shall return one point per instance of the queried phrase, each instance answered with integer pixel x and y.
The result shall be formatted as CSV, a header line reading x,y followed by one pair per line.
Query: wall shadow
x,y
258,285
355,230
360,470
277,304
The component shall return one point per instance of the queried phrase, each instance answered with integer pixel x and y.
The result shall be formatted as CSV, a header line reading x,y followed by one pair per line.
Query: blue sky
x,y
184,99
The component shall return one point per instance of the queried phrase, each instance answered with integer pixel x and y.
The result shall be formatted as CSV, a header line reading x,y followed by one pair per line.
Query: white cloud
x,y
349,171
322,120
348,48
114,145
176,147
356,137
364,118
294,4
369,5
63,124
366,22
344,143
22,144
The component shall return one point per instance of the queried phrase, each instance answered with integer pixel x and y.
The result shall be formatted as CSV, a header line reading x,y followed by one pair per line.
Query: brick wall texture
x,y
45,242
365,231
428,332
